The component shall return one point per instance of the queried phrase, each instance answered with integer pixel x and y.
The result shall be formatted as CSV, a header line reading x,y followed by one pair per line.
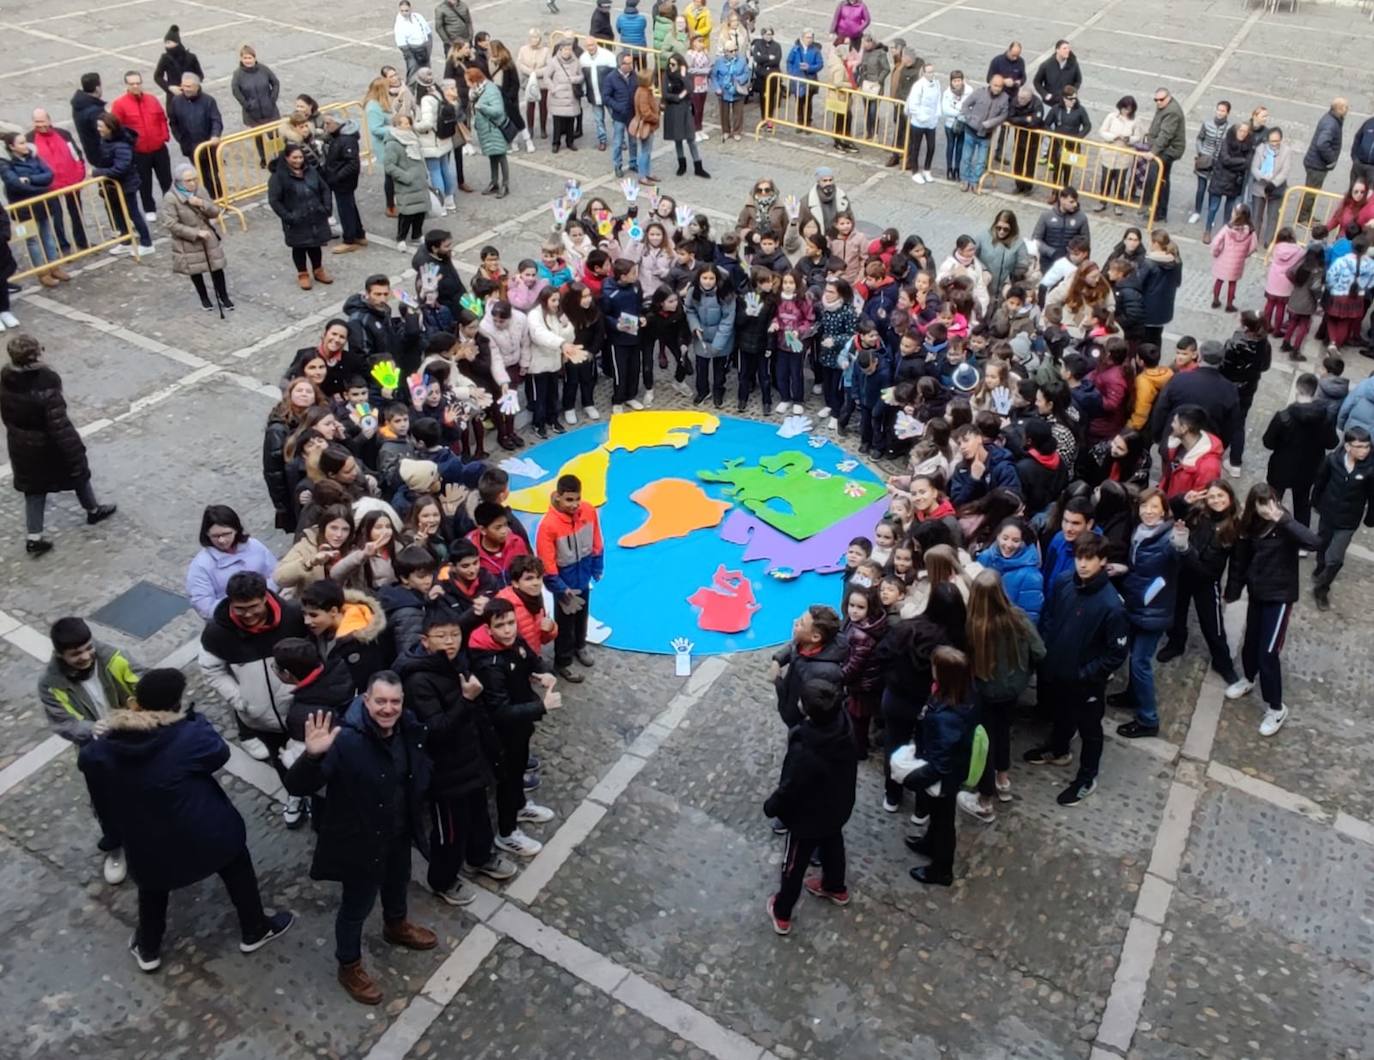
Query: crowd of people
x,y
1066,498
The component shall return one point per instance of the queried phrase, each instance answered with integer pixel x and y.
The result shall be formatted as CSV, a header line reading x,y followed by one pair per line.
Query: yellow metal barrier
x,y
645,58
90,207
1101,172
851,115
1300,209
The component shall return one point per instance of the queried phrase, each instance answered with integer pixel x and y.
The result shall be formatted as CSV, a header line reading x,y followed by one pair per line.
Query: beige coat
x,y
561,79
1120,131
191,255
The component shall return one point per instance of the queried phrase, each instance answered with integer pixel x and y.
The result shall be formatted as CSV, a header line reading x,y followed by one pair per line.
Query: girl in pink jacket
x,y
1236,242
1287,252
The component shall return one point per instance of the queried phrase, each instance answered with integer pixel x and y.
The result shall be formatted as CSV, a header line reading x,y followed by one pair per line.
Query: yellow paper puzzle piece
x,y
591,467
636,430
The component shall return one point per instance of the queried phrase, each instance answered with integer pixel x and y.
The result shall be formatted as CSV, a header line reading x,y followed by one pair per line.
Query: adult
x,y
197,247
116,161
489,124
85,682
1009,66
436,256
300,198
453,22
375,332
153,776
1356,207
413,38
563,80
45,451
1058,73
1122,129
1204,387
824,202
530,60
256,89
647,115
225,549
1160,277
194,119
631,27
1067,117
8,268
403,161
763,212
597,63
618,90
1058,224
1167,139
805,60
1362,153
1210,134
1323,152
174,62
377,772
923,113
850,21
1270,171
26,176
1026,114
983,112
86,104
730,80
677,117
1227,175
765,55
1003,253
58,149
341,166
435,124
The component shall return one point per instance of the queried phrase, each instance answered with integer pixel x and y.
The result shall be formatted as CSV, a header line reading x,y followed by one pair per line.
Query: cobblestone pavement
x,y
1213,898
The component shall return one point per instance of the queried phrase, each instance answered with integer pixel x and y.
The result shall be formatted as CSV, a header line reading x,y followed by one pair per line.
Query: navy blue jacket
x,y
618,298
1151,558
117,162
618,94
1085,632
946,744
999,472
868,389
355,822
152,781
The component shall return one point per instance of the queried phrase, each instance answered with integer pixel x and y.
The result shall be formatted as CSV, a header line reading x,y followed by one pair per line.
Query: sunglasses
x,y
1160,99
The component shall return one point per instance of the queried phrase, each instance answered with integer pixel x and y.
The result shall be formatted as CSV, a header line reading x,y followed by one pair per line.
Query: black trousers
x,y
579,380
1302,501
78,225
940,836
1205,597
239,880
544,408
914,139
359,896
713,369
307,258
572,632
995,716
157,162
755,368
563,129
899,725
1078,709
349,219
630,362
795,860
459,830
510,776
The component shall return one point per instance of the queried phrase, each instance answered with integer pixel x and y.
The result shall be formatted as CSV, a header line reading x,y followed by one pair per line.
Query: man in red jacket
x,y
144,115
57,148
1192,458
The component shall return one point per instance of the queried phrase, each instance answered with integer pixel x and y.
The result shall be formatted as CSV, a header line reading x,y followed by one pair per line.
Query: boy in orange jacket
x,y
569,545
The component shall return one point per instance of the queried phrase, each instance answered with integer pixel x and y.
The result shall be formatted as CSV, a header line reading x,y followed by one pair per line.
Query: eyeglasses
x,y
1161,99
764,189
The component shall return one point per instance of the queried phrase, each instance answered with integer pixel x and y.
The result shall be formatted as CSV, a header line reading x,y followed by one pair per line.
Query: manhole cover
x,y
141,610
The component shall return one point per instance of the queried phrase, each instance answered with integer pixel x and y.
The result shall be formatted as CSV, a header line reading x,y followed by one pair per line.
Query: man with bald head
x,y
143,113
195,119
57,148
1323,152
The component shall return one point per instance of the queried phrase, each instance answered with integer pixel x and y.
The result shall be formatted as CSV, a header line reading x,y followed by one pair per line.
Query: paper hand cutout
x,y
603,228
629,187
634,232
510,403
815,442
560,211
684,216
793,426
792,206
364,416
473,305
752,304
419,385
908,426
854,489
846,465
1001,400
522,466
682,656
572,191
386,373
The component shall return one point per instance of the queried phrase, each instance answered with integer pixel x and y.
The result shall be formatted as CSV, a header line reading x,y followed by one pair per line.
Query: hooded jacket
x,y
374,333
237,663
1021,577
71,711
1204,387
1246,360
508,693
825,664
999,473
462,744
360,639
1086,632
340,166
302,202
1191,469
86,109
1343,495
946,743
570,547
1299,437
1265,564
173,62
1357,409
152,781
329,689
815,792
46,453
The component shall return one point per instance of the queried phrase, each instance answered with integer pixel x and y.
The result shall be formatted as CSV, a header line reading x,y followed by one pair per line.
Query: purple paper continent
x,y
822,552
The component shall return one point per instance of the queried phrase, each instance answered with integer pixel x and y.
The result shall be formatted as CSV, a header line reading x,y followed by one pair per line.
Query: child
x,y
684,268
394,445
490,268
885,246
1278,287
577,244
665,329
496,546
346,624
1232,246
727,261
859,550
769,255
571,531
813,799
467,587
753,317
623,303
553,269
710,308
871,377
595,271
508,669
865,624
1300,437
836,324
523,291
884,542
906,553
1308,281
526,594
892,592
589,331
793,325
404,603
847,245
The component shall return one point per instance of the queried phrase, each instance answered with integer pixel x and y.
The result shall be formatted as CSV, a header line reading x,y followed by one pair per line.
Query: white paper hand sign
x,y
1001,400
817,442
794,425
792,206
908,426
560,211
572,191
682,656
510,403
523,467
684,216
629,187
752,304
844,465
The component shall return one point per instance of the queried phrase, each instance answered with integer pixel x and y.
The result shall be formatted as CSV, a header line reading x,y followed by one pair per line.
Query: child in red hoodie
x,y
526,594
496,545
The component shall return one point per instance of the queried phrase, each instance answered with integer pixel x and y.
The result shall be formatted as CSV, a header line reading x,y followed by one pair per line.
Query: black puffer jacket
x,y
340,166
1207,556
825,665
1266,564
1232,163
904,655
1344,495
1299,437
302,203
815,792
462,743
274,469
46,453
330,691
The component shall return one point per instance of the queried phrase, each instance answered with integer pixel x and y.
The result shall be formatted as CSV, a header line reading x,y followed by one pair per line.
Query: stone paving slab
x,y
23,723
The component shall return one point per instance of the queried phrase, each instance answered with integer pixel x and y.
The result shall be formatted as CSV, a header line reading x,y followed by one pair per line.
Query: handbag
x,y
508,129
436,204
636,128
1202,163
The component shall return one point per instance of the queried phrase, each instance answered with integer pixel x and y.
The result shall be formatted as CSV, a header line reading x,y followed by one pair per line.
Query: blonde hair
x,y
379,91
247,49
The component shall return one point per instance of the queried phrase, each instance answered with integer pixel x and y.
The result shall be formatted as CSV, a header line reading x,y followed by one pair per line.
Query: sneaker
x,y
1302,552
115,869
1076,793
119,250
1233,469
778,827
145,963
1169,652
833,424
294,812
797,410
593,413
494,868
9,319
1236,689
928,178
457,895
916,178
968,802
150,216
889,806
519,844
816,388
145,252
1273,721
813,887
533,813
255,748
1194,218
100,513
919,821
277,925
782,927
531,780
616,410
780,408
570,418
1322,599
1134,730
1043,756
648,399
824,414
1003,790
636,404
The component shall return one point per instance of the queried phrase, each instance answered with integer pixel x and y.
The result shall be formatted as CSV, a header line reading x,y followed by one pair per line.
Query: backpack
x,y
978,757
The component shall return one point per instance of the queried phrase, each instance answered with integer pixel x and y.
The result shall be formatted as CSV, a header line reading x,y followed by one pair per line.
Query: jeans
x,y
599,117
795,860
35,504
350,221
1236,453
975,159
415,56
1077,709
78,224
1160,174
1201,197
1334,541
41,258
154,162
442,177
239,880
1213,202
646,149
1264,214
1265,627
359,896
620,142
1143,645
954,146
459,831
121,220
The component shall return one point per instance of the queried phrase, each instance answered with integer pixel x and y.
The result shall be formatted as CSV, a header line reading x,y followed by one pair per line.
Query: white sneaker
x,y
616,410
115,869
968,802
824,413
9,319
593,413
780,407
1233,469
570,418
1193,218
152,217
519,844
636,404
495,868
648,399
834,424
145,252
920,822
1239,688
816,388
797,410
1273,721
700,137
2,325
119,250
529,147
890,807
917,178
449,204
929,179
1302,552
293,813
533,813
255,748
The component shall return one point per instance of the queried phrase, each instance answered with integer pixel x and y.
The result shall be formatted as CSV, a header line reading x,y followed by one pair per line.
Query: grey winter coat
x,y
191,255
983,112
714,318
256,91
452,21
562,78
406,168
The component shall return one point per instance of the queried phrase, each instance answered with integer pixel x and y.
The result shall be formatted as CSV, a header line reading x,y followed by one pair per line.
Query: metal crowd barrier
x,y
646,58
82,213
1101,172
863,119
1300,209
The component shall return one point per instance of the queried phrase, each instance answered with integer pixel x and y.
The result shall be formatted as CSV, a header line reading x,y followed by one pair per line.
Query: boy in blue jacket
x,y
872,375
622,301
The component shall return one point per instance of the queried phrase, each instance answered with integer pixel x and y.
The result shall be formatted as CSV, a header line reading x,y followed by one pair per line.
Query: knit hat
x,y
630,5
161,689
965,378
1212,352
329,117
824,171
422,476
1021,347
173,35
604,5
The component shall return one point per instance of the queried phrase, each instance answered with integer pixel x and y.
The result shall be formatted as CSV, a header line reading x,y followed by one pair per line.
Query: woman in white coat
x,y
1121,128
551,339
924,109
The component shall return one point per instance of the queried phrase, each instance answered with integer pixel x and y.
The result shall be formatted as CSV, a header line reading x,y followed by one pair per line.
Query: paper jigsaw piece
x,y
676,507
788,558
638,430
809,505
727,605
591,467
522,467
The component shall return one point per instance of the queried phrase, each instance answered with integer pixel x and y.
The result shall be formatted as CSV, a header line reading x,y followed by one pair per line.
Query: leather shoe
x,y
323,276
411,936
303,281
567,673
923,874
918,846
1133,730
359,984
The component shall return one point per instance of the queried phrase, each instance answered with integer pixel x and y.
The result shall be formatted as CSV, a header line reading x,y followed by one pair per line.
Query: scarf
x,y
407,139
761,207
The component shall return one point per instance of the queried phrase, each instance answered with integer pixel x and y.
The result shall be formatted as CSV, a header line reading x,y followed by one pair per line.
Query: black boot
x,y
681,165
700,170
